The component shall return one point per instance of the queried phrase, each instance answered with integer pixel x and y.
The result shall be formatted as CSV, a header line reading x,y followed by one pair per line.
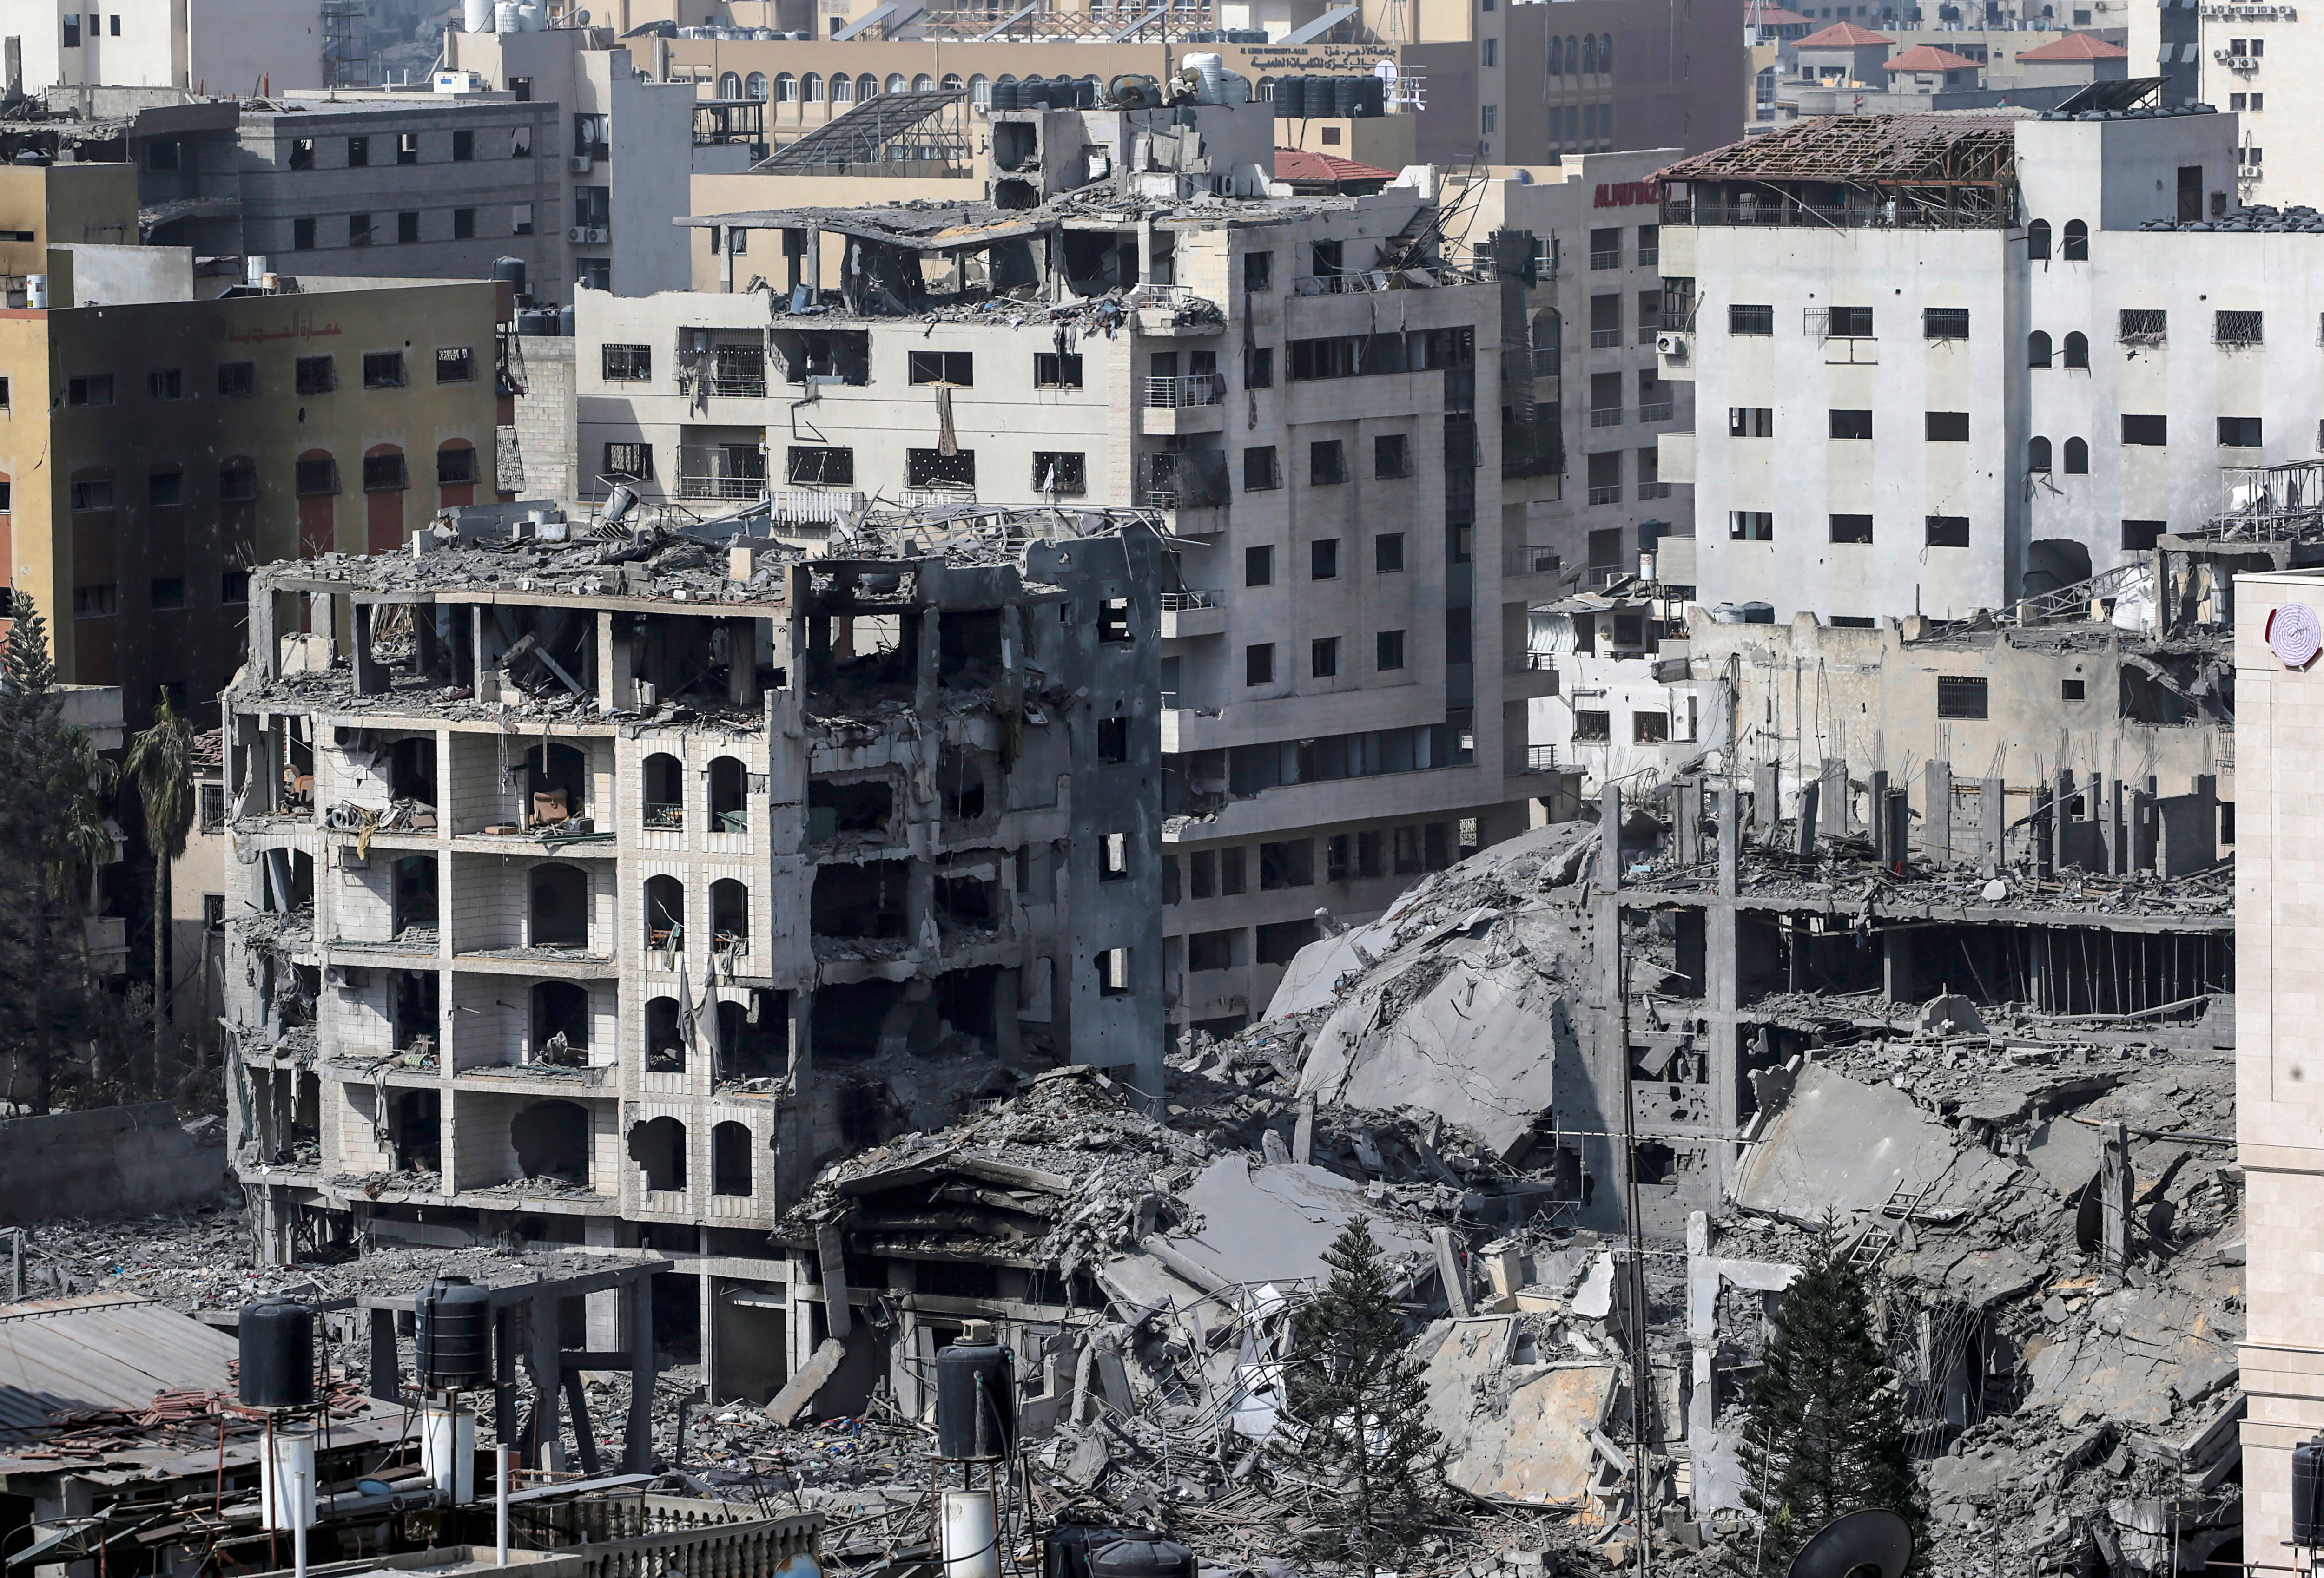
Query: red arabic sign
x,y
1629,194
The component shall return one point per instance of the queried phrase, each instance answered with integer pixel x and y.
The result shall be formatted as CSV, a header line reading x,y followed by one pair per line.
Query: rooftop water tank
x,y
452,1339
278,1355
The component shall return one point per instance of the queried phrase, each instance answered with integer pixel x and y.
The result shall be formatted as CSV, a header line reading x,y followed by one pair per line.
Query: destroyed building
x,y
598,888
1348,410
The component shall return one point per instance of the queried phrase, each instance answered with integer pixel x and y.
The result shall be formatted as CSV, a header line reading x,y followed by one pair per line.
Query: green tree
x,y
1826,1428
53,792
1356,1432
161,766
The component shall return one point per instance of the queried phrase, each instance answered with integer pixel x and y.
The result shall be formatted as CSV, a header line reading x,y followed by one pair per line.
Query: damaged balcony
x,y
540,1148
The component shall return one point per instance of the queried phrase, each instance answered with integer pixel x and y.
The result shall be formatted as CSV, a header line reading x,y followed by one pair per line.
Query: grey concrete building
x,y
599,888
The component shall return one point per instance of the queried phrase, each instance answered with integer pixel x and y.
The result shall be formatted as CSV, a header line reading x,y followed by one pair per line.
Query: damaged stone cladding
x,y
599,889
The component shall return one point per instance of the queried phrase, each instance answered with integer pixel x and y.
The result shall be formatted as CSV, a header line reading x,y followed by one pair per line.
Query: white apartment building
x,y
1941,362
1303,396
221,47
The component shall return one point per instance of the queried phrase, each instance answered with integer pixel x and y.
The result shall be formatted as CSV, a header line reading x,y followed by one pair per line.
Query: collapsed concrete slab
x,y
1261,1224
1520,1433
1838,1147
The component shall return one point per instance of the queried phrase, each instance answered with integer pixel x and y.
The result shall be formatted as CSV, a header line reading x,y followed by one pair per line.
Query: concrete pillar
x,y
1937,812
1993,822
1897,978
2115,1184
931,639
1766,800
1837,812
1609,839
1730,841
1690,821
1876,805
1804,822
1899,813
815,259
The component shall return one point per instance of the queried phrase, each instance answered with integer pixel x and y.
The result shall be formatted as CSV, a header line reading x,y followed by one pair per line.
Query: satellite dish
x,y
1874,1543
580,19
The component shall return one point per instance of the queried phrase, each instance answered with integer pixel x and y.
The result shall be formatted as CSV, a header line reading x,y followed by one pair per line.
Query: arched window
x,y
658,1146
811,87
843,87
729,809
1605,54
866,87
895,82
2078,351
730,916
665,912
2037,348
980,91
730,85
1573,55
665,791
385,478
665,1040
2037,454
455,472
2076,248
1556,56
923,83
560,907
951,80
1589,53
2037,241
755,86
315,479
561,1022
2078,458
730,1159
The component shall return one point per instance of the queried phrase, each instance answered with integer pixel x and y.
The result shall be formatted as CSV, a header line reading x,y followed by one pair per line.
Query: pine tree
x,y
1357,1433
54,795
1825,1433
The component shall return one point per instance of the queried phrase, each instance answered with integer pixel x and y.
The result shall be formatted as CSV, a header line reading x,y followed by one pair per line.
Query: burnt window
x,y
2140,536
1948,531
956,367
315,375
935,470
1114,740
1059,471
1261,472
811,466
1114,619
237,381
382,370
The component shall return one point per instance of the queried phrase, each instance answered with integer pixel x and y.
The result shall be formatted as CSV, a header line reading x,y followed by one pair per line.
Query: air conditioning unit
x,y
578,235
579,164
1674,346
596,236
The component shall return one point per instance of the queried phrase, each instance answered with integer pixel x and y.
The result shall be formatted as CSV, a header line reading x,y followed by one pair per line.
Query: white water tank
x,y
253,271
475,15
1208,66
36,291
507,17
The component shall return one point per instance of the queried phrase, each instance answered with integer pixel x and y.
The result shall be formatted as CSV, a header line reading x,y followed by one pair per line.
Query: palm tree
x,y
160,763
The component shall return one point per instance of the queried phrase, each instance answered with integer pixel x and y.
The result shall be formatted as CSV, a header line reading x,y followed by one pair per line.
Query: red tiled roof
x,y
2077,46
1297,164
1842,35
1929,58
1775,17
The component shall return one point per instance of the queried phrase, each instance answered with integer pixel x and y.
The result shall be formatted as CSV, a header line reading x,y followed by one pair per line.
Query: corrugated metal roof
x,y
102,1352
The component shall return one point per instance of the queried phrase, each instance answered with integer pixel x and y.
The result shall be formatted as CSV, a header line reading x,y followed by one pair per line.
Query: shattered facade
x,y
599,888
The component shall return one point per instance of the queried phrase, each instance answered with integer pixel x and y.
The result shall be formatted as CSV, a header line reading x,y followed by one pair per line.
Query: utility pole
x,y
1641,1372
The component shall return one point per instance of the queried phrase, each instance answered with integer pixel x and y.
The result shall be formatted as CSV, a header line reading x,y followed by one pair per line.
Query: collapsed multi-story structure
x,y
598,888
1349,408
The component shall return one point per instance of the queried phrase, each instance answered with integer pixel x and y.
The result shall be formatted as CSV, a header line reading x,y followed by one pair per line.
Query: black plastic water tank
x,y
1005,97
1371,96
452,1344
976,1402
1142,1556
1347,96
510,269
1066,1547
2307,1492
278,1355
1290,98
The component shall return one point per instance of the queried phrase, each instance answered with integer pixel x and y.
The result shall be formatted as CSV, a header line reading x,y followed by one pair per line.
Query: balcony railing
x,y
1605,415
1648,332
1533,663
1654,490
1176,602
1606,495
1612,260
1648,256
1530,559
738,386
1659,411
1541,759
1199,388
1545,361
1605,339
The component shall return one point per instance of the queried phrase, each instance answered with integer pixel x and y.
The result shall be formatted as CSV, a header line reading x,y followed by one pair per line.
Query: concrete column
x,y
2116,1185
1876,807
1690,821
1993,821
1609,839
931,638
1730,841
1803,823
1937,812
1897,976
1766,800
1837,812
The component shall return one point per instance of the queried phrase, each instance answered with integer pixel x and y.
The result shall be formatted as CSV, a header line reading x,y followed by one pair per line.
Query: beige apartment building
x,y
164,431
1365,457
